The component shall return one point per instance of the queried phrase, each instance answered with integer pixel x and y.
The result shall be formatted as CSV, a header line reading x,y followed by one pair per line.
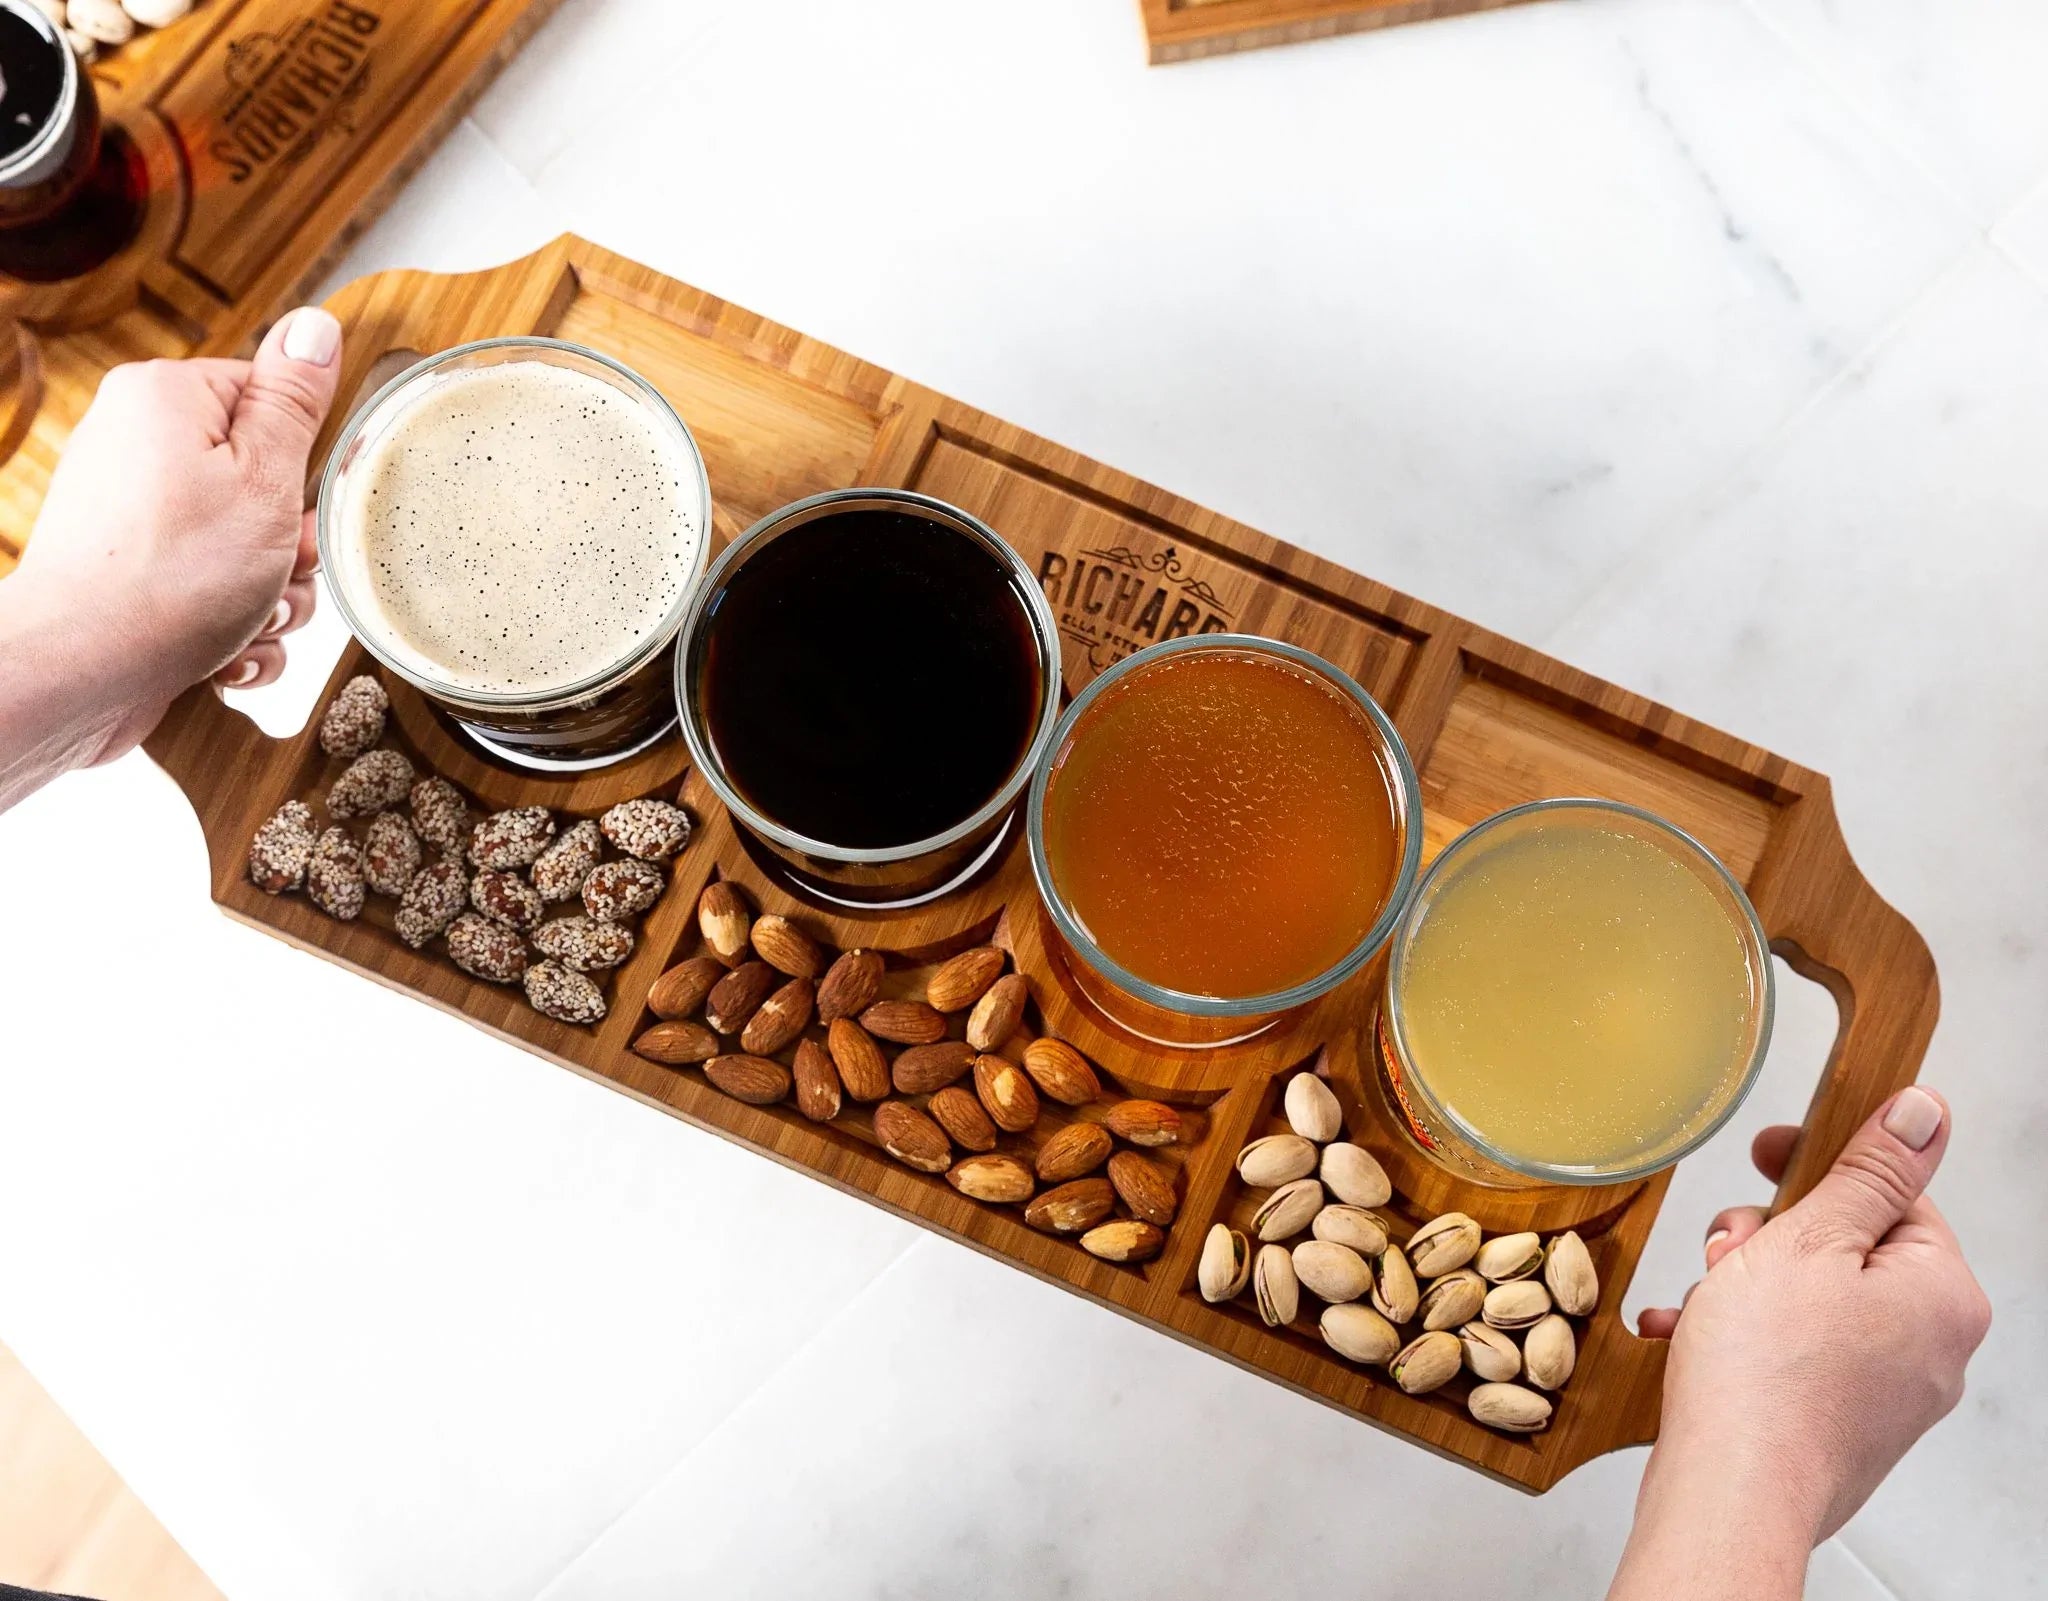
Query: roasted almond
x,y
958,983
781,1018
787,948
818,1090
753,1079
681,990
996,1015
1072,1207
1074,1150
1006,1092
850,985
1061,1071
1143,1122
999,1178
924,1068
677,1041
724,918
957,1112
1146,1187
904,1022
862,1067
1125,1239
736,997
912,1138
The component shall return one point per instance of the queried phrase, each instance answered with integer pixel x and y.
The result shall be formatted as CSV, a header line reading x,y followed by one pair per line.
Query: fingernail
x,y
1914,1118
1715,1239
312,335
249,669
279,617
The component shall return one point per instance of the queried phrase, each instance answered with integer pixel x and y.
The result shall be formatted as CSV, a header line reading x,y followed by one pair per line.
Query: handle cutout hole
x,y
1719,1174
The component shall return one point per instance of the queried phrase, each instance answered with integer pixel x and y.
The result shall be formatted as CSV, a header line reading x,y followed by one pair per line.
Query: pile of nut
x,y
1472,1296
91,25
488,886
764,989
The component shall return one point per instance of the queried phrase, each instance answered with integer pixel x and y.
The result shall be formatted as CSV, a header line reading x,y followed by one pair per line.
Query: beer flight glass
x,y
1224,829
867,679
516,527
71,189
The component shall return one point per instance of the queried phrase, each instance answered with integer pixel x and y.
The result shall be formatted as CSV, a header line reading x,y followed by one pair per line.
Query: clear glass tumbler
x,y
596,719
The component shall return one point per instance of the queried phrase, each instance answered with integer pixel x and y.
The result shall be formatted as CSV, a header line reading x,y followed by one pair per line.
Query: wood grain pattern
x,y
1490,723
1186,30
276,131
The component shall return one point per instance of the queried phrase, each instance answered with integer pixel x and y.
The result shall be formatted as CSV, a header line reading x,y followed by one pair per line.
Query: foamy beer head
x,y
516,526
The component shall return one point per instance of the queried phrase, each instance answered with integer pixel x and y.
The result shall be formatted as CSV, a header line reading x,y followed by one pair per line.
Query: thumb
x,y
291,385
1881,1172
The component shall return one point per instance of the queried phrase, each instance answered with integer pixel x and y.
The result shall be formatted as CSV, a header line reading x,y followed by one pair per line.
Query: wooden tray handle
x,y
1826,921
200,738
424,312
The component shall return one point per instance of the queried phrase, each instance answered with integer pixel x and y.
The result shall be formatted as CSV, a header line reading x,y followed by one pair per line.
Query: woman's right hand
x,y
1820,1345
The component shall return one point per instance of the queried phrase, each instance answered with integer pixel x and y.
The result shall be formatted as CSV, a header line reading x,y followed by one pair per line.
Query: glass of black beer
x,y
71,191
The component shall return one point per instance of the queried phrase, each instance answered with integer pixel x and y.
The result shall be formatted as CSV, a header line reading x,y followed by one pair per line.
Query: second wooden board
x,y
1186,30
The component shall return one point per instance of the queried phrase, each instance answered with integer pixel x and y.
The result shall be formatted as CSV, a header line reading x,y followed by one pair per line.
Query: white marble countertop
x,y
1704,344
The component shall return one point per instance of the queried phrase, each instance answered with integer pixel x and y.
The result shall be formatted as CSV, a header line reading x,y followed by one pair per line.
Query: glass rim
x,y
667,418
1404,788
24,162
1038,609
1757,947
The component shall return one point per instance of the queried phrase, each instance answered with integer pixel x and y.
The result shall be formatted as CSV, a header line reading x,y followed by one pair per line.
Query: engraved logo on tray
x,y
1115,600
275,110
294,88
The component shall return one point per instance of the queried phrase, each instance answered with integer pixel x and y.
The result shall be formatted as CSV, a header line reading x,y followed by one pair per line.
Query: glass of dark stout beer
x,y
71,191
867,679
516,528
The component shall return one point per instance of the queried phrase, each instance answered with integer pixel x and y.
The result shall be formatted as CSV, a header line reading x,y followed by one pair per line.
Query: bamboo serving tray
x,y
1490,724
1186,30
275,132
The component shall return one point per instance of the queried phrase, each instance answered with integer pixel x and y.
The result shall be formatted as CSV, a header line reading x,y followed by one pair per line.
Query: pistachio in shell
x,y
1334,1272
1312,1109
1453,1299
1508,1407
1568,1271
1275,1287
1225,1265
1353,1174
1394,1291
1443,1244
1511,1256
1275,1160
1549,1353
1365,1232
1358,1333
1427,1362
1519,1305
1288,1210
1490,1354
